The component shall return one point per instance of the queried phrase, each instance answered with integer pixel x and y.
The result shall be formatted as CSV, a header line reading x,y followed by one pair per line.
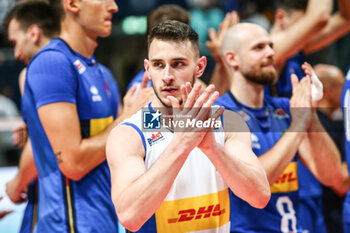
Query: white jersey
x,y
198,200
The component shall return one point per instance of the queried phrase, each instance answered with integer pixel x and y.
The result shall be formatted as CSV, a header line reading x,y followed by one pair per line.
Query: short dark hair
x,y
172,30
35,12
289,5
58,6
166,12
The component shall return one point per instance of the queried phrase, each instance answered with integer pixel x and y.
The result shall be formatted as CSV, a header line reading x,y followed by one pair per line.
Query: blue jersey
x,y
267,126
292,66
31,212
59,74
345,103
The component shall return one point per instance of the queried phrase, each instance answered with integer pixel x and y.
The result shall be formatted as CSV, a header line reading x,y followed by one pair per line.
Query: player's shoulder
x,y
226,101
136,119
49,58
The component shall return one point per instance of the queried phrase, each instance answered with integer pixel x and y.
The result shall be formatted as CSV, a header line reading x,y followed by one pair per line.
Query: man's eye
x,y
177,64
156,64
259,47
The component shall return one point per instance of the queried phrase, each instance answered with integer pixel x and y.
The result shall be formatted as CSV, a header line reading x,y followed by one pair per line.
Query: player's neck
x,y
77,39
247,93
156,103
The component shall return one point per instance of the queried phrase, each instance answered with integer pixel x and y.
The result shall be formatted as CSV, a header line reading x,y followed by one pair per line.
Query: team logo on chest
x,y
280,114
155,138
95,95
81,68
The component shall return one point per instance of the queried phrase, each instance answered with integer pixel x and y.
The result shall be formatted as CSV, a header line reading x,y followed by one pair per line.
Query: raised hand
x,y
196,108
316,84
216,38
300,103
135,98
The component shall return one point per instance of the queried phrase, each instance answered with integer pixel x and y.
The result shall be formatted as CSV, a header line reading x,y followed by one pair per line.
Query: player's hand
x,y
216,38
316,84
196,108
3,213
135,99
300,104
15,194
19,135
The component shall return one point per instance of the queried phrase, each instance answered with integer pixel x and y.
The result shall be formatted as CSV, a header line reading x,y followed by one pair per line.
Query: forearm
x,y
86,154
139,201
245,179
26,173
344,185
26,168
327,157
275,160
221,76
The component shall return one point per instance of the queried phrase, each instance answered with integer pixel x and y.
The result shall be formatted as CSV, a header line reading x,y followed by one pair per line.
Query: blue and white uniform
x,y
198,200
59,74
267,125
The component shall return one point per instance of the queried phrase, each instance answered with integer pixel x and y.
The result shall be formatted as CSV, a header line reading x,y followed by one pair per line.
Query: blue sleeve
x,y
52,78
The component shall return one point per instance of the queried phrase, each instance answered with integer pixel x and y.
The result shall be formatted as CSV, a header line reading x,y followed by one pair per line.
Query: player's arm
x,y
222,73
137,193
344,186
26,173
236,162
77,156
56,103
281,154
293,39
337,26
21,80
320,154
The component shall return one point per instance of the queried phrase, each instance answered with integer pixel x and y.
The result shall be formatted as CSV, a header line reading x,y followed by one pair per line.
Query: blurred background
x,y
123,52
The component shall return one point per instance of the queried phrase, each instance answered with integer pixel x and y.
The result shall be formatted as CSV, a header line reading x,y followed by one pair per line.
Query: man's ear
x,y
34,34
72,5
201,64
232,59
280,17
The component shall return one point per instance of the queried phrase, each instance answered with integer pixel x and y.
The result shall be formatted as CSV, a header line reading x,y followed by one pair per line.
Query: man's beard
x,y
262,76
169,105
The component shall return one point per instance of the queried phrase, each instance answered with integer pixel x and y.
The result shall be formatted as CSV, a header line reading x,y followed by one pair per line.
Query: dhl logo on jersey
x,y
194,214
288,180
